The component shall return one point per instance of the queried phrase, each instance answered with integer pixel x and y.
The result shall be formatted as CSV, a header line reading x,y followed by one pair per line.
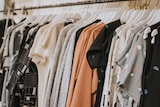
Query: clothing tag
x,y
153,40
148,30
34,91
28,98
153,34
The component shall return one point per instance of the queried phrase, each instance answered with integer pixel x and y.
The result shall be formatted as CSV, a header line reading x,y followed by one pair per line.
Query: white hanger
x,y
94,14
155,17
144,14
110,16
133,16
125,16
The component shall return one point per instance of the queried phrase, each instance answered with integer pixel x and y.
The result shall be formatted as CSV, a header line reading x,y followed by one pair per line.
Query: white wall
x,y
1,4
29,3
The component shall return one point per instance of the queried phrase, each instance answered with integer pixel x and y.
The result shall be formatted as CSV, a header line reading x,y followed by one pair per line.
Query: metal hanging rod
x,y
68,4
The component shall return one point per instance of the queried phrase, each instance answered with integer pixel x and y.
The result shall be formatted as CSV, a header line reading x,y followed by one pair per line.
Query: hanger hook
x,y
129,5
157,4
146,4
135,4
121,3
140,3
149,1
22,10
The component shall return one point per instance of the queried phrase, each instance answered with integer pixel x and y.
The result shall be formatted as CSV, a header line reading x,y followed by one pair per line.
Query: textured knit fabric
x,y
67,62
66,69
52,70
55,61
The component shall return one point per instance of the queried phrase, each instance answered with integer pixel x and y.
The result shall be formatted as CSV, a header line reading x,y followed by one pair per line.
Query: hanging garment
x,y
17,91
57,79
131,62
67,61
150,78
41,54
77,85
98,55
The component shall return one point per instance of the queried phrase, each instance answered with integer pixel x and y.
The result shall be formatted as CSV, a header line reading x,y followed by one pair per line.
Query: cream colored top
x,y
41,52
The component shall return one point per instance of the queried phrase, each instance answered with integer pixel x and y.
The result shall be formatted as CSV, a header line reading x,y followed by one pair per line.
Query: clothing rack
x,y
68,4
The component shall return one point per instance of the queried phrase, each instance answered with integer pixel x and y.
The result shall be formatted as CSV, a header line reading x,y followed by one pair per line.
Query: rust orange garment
x,y
83,83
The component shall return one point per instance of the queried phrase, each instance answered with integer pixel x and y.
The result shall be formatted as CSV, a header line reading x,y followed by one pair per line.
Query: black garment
x,y
2,75
16,83
24,78
2,28
151,73
97,55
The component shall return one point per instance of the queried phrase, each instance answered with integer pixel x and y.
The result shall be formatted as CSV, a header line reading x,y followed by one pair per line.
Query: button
x,y
139,47
4,104
102,70
99,81
117,37
109,93
108,103
93,56
112,67
145,91
156,68
132,74
21,86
